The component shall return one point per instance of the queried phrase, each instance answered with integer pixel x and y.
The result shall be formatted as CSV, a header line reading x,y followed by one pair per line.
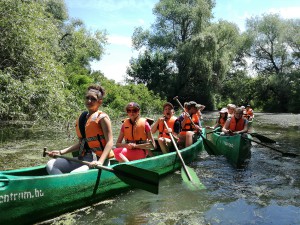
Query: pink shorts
x,y
130,154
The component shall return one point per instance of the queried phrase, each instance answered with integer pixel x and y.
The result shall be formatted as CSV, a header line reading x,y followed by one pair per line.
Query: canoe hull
x,y
235,148
30,195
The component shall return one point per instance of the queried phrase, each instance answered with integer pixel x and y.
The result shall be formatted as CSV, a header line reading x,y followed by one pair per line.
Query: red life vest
x,y
188,125
222,122
161,127
236,126
94,139
135,133
250,112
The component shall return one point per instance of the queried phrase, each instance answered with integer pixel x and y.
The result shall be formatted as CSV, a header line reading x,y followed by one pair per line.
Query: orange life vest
x,y
222,122
236,126
161,127
188,125
250,112
135,133
94,139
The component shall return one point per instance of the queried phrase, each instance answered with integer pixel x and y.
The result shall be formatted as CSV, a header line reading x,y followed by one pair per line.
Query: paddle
x,y
134,176
187,173
284,154
262,138
215,130
209,146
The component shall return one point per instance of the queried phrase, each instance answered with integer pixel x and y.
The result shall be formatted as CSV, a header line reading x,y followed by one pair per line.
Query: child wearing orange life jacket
x,y
236,124
136,132
249,112
188,130
164,139
220,122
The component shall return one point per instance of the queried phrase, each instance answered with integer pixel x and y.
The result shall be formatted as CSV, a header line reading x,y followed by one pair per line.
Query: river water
x,y
266,191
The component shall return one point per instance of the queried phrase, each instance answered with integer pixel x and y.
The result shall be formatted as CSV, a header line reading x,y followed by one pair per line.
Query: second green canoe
x,y
235,148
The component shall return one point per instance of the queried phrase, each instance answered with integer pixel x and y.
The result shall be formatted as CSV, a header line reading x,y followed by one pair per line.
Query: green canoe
x,y
235,148
30,195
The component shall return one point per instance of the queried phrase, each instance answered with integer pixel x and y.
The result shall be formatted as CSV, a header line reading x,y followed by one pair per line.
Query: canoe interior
x,y
30,195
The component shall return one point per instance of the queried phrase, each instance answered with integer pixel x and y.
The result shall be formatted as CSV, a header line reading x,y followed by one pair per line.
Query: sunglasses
x,y
132,110
92,99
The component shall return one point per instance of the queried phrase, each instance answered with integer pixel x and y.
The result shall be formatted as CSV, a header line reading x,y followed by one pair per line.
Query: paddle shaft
x,y
275,149
137,177
178,153
78,161
215,130
262,138
145,146
186,113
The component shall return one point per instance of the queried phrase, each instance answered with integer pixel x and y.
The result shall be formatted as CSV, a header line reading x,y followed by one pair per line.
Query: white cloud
x,y
287,13
114,70
111,5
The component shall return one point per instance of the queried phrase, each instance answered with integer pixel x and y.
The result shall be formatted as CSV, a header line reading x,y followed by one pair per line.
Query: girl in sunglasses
x,y
136,132
94,131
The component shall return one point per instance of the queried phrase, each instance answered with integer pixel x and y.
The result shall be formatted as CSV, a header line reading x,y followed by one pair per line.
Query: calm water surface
x,y
266,191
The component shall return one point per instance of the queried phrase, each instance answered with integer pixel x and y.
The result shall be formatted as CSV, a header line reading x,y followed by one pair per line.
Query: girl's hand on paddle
x,y
168,130
197,128
53,153
94,164
131,146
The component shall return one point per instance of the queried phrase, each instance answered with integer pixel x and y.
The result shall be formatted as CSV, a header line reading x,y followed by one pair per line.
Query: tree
x,y
272,48
44,60
195,54
274,52
153,70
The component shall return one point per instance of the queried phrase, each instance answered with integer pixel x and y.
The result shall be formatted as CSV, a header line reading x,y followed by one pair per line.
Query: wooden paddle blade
x,y
195,183
263,138
138,177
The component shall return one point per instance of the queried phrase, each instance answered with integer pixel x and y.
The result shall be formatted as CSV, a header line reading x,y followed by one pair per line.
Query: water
x,y
266,191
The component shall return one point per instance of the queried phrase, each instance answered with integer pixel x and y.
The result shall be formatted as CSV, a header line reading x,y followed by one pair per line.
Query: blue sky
x,y
120,17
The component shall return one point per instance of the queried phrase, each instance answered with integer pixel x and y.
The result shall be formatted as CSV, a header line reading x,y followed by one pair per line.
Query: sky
x,y
119,18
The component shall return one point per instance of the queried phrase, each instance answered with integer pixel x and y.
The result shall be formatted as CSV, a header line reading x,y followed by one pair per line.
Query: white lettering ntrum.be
x,y
21,196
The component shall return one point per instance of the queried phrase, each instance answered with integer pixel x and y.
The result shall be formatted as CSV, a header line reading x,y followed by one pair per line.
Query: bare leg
x,y
189,138
123,157
163,146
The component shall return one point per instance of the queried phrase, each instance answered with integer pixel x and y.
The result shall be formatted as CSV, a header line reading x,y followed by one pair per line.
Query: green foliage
x,y
195,54
154,70
237,88
118,96
44,61
273,45
28,40
269,37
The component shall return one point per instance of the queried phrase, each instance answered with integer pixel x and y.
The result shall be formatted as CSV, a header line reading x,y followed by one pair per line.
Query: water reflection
x,y
241,212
